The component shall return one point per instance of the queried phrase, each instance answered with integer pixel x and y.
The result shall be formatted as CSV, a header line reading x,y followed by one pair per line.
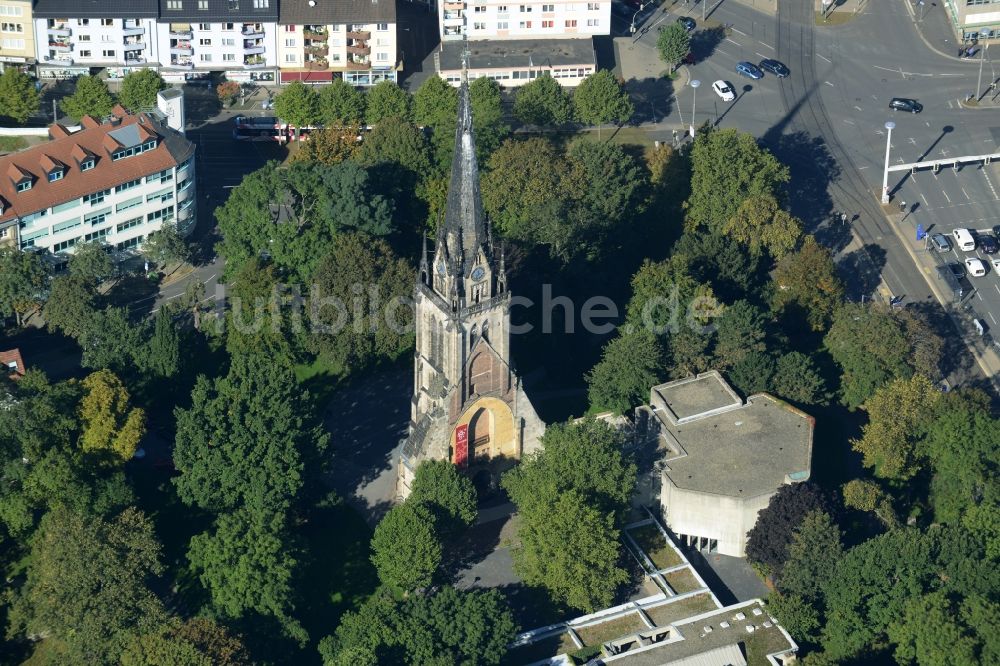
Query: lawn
x,y
761,643
682,581
678,610
652,541
320,378
597,634
9,144
542,649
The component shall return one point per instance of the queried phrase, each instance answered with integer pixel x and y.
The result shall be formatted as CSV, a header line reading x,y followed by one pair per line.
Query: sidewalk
x,y
935,28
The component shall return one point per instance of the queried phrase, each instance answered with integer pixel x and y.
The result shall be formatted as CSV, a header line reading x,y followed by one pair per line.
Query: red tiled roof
x,y
13,355
57,131
75,183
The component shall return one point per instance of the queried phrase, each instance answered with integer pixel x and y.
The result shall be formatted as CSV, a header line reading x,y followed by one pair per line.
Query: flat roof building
x,y
722,458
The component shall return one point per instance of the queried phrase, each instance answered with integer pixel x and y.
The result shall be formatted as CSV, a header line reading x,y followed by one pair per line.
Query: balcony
x,y
134,60
181,34
135,46
350,64
318,35
64,61
181,48
454,5
359,49
184,193
59,46
254,62
316,49
251,47
354,34
253,31
182,64
60,30
319,63
453,18
133,30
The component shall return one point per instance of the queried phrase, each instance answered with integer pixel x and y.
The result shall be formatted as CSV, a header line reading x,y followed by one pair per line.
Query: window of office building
x,y
107,22
205,57
548,8
98,217
129,185
204,42
478,26
571,23
289,42
65,245
204,27
502,25
228,57
174,5
162,214
69,205
13,44
108,53
128,224
66,224
525,25
203,5
593,23
130,203
85,54
11,27
97,235
261,4
162,177
95,198
8,10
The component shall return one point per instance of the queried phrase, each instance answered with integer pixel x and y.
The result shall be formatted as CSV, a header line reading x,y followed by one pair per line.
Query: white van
x,y
964,239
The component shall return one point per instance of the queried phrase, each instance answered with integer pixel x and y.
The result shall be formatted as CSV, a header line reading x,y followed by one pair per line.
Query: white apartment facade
x,y
242,50
113,183
553,19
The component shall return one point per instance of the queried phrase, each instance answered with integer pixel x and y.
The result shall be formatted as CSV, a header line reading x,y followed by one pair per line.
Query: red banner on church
x,y
462,445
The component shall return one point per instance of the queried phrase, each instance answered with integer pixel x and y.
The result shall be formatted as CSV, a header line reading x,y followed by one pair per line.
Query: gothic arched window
x,y
486,330
472,337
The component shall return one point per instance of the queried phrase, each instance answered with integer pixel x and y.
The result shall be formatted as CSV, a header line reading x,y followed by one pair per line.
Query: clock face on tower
x,y
478,274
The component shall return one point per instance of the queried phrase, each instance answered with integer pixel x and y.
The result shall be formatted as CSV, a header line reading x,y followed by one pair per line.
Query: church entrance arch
x,y
481,435
490,432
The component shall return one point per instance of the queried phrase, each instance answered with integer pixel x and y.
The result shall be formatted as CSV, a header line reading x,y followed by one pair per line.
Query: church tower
x,y
468,406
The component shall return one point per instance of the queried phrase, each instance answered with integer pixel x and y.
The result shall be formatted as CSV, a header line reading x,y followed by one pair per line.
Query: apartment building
x,y
319,40
17,34
235,37
515,43
974,19
114,182
74,37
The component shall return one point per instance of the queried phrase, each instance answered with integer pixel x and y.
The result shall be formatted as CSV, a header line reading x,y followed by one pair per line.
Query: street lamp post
x,y
920,3
983,34
632,27
889,125
694,103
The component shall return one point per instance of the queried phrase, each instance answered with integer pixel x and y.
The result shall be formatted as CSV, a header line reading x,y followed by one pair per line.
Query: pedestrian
x,y
902,206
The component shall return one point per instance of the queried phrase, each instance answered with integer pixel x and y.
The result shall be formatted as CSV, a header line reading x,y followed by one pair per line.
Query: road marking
x,y
965,193
990,183
944,193
848,121
978,295
992,317
862,167
760,54
949,104
912,140
857,108
951,75
820,56
767,45
732,42
741,32
829,84
997,288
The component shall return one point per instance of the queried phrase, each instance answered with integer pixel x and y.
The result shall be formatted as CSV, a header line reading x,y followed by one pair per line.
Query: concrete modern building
x,y
514,43
114,182
319,40
235,37
722,458
74,36
468,404
971,18
17,34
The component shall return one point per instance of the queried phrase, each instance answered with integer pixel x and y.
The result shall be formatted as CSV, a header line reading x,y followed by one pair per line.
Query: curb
x,y
927,43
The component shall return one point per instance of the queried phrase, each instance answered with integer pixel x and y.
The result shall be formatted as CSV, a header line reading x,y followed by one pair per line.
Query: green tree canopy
x,y
543,102
195,642
246,439
109,421
163,356
435,103
813,554
18,97
797,378
387,100
673,43
631,364
166,245
447,492
728,167
90,97
617,187
22,282
298,104
406,549
939,630
740,331
808,279
139,88
330,145
487,116
91,263
760,225
768,541
70,306
86,587
600,99
341,104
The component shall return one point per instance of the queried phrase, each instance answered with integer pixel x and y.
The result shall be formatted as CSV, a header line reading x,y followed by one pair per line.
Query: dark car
x,y
905,104
775,67
996,231
687,22
749,70
988,244
957,270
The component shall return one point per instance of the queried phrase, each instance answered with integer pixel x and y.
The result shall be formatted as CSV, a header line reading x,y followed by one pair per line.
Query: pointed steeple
x,y
424,266
464,228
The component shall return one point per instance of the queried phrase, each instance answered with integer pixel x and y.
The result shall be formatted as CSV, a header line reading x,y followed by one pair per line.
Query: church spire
x,y
464,226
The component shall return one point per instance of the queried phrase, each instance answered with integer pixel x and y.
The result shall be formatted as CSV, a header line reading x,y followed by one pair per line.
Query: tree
x,y
768,541
435,103
18,96
91,263
406,550
673,44
796,378
866,495
728,167
387,100
759,225
895,412
449,494
799,617
340,105
399,143
22,282
869,345
195,642
572,550
247,566
543,102
330,145
227,92
90,97
813,554
599,99
630,365
753,372
937,630
617,186
110,340
666,298
109,422
487,115
86,586
298,105
70,306
139,88
808,278
741,330
246,439
166,245
163,358
361,275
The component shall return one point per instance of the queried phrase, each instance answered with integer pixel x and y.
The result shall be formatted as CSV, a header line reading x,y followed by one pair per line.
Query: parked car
x,y
941,243
687,22
775,67
988,244
957,270
965,240
749,70
905,104
975,266
724,90
996,265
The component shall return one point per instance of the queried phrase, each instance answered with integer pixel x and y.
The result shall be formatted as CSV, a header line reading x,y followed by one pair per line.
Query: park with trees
x,y
234,550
